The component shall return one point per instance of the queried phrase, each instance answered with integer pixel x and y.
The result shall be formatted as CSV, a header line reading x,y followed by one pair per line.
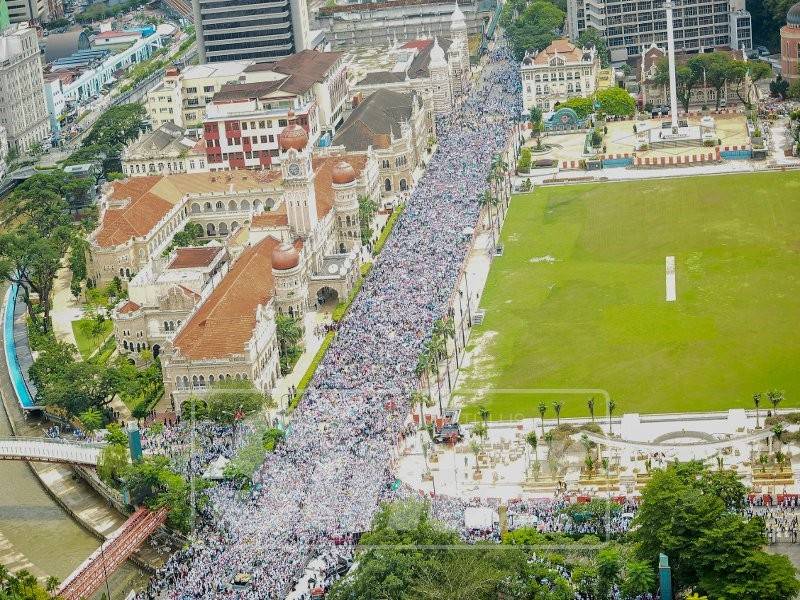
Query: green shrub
x,y
306,379
387,229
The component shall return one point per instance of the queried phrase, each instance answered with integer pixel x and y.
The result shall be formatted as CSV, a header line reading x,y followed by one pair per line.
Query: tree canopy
x,y
686,514
616,101
532,26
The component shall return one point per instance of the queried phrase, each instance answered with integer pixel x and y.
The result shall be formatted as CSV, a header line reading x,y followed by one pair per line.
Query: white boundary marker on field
x,y
671,291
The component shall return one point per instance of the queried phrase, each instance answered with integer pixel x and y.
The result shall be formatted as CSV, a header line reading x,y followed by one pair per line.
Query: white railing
x,y
49,450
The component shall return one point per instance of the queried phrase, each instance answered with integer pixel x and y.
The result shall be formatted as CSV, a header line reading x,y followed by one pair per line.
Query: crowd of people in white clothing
x,y
324,483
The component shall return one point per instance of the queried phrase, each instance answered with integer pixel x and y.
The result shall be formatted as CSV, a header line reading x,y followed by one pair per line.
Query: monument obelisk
x,y
673,87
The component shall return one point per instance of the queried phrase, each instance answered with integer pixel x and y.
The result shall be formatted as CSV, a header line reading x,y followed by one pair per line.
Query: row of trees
x,y
433,352
689,512
715,70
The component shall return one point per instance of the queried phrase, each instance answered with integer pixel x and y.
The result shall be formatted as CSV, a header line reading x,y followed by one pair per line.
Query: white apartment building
x,y
23,110
183,97
629,25
559,72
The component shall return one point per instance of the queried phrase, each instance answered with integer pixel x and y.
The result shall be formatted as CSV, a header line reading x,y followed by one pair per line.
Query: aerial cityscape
x,y
399,300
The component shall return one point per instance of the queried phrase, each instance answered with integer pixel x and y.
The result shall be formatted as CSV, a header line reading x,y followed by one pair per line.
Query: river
x,y
36,526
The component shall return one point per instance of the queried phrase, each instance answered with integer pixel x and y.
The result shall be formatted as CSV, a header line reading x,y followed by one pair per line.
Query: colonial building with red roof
x,y
209,311
559,72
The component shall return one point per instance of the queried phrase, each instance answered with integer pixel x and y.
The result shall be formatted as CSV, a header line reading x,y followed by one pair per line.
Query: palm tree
x,y
51,584
533,442
486,200
484,413
445,328
775,397
418,397
542,410
475,448
590,404
557,408
778,430
611,406
757,402
780,460
423,368
586,443
437,347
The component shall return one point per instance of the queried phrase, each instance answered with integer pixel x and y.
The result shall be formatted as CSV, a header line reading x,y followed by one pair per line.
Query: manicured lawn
x,y
578,299
87,341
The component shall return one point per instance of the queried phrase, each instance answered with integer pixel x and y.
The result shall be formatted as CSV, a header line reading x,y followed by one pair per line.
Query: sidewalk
x,y
311,320
65,307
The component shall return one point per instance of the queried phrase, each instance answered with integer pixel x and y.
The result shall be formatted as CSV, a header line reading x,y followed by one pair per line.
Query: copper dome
x,y
293,136
285,257
793,15
343,173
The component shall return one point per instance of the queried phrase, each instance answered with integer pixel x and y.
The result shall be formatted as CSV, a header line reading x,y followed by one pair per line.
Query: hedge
x,y
306,379
387,230
341,309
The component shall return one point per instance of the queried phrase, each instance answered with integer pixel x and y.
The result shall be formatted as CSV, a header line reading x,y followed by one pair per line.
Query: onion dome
x,y
793,16
293,136
285,257
343,173
457,19
437,54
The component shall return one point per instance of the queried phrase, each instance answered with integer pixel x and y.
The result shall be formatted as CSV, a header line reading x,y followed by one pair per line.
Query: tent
x,y
479,517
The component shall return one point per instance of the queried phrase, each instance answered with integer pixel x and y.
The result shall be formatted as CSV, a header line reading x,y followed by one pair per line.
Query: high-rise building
x,y
260,30
628,26
23,110
22,11
5,19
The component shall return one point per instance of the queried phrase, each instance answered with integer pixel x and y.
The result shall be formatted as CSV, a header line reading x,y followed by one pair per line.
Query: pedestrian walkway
x,y
66,308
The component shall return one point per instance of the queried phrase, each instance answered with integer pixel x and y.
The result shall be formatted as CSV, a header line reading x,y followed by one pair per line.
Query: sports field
x,y
579,298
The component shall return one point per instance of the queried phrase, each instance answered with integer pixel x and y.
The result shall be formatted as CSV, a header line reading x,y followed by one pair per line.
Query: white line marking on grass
x,y
671,291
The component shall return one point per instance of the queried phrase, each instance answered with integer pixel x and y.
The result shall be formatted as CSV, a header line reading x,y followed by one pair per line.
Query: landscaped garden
x,y
577,305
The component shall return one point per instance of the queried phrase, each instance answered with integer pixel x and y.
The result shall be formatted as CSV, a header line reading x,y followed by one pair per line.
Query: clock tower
x,y
298,180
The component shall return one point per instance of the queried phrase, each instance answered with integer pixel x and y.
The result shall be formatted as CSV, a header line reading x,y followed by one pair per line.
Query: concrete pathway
x,y
65,307
311,320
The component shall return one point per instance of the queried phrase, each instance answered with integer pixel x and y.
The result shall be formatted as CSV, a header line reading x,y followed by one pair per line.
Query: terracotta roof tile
x,y
129,307
323,181
274,218
137,217
224,323
187,258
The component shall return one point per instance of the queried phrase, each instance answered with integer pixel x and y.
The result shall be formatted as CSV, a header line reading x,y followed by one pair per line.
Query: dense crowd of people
x,y
325,481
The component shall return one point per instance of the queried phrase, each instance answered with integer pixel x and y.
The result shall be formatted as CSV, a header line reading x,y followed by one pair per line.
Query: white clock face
x,y
294,170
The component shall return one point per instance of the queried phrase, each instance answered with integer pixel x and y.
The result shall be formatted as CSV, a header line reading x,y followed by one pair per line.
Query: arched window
x,y
223,229
220,205
387,185
211,230
245,205
194,381
125,344
207,207
195,207
232,205
202,381
185,381
403,185
210,380
238,377
234,225
178,382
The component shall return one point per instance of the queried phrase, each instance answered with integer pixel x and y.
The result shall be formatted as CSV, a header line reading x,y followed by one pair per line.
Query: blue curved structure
x,y
21,390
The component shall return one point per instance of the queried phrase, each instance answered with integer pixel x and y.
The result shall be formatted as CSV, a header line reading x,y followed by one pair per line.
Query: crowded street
x,y
323,485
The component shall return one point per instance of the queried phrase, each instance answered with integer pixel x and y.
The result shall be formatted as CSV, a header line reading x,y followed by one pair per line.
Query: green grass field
x,y
85,337
578,298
